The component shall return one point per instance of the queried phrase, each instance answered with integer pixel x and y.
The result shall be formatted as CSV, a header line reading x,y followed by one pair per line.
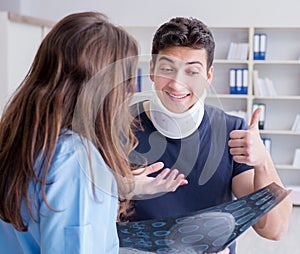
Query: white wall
x,y
155,12
10,5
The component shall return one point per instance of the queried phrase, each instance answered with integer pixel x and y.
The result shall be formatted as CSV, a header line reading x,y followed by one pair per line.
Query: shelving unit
x,y
282,66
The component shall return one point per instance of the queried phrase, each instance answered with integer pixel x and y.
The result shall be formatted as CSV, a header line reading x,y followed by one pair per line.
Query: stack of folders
x,y
238,80
238,51
259,46
263,86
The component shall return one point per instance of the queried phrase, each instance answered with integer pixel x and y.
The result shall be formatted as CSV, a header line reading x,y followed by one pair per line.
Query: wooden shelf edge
x,y
288,167
30,20
279,132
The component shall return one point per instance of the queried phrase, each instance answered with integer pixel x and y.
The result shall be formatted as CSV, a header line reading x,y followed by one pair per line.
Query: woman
x,y
65,139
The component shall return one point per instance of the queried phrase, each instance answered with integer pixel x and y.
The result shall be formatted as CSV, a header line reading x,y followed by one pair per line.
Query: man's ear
x,y
210,75
151,70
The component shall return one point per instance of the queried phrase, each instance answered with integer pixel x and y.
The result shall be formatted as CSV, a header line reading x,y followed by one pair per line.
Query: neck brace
x,y
170,124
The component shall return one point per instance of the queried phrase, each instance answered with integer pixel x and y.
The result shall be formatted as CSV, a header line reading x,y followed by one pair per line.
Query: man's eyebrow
x,y
195,62
172,61
166,58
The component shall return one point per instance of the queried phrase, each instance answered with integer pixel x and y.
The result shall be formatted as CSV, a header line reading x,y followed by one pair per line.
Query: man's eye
x,y
192,73
166,70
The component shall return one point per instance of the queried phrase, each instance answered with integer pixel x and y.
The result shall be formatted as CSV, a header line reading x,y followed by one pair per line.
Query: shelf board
x,y
279,132
280,97
246,61
230,61
287,166
228,96
276,61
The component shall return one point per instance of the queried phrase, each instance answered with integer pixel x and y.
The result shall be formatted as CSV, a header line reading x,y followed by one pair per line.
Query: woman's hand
x,y
166,181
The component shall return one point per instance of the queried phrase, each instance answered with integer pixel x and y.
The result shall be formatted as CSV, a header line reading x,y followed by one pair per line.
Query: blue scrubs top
x,y
82,223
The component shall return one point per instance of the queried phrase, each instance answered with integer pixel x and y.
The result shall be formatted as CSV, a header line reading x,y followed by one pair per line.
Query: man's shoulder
x,y
215,112
219,116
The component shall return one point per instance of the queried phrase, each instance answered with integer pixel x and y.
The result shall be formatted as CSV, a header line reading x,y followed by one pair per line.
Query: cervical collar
x,y
170,124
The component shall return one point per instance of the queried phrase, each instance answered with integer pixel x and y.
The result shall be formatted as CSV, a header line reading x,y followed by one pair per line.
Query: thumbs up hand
x,y
246,146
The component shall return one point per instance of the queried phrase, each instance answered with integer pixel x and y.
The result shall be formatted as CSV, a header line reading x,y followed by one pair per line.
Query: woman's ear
x,y
151,70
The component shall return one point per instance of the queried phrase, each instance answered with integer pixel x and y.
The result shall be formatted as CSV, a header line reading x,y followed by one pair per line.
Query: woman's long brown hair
x,y
84,65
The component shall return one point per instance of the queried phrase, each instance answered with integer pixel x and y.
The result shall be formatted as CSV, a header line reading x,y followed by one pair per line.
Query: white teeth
x,y
177,97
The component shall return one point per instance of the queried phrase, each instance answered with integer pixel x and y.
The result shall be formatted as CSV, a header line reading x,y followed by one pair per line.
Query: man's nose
x,y
178,80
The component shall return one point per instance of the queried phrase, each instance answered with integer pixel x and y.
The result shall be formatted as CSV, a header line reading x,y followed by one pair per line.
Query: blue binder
x,y
238,81
259,46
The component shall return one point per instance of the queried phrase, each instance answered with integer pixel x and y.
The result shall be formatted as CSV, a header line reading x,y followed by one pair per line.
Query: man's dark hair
x,y
185,32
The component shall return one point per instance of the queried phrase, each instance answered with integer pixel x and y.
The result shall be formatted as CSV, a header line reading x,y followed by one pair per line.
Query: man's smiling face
x,y
180,76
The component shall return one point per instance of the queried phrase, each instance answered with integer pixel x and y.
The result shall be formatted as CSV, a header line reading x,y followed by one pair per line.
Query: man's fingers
x,y
237,134
236,143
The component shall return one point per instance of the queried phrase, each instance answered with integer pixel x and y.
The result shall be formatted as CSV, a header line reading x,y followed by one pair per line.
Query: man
x,y
221,156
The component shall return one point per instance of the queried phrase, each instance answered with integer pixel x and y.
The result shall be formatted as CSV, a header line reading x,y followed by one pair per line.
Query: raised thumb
x,y
255,118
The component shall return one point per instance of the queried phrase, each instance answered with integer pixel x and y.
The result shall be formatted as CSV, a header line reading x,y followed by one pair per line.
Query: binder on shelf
x,y
268,143
232,81
139,80
261,122
238,81
245,81
262,46
256,46
259,46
